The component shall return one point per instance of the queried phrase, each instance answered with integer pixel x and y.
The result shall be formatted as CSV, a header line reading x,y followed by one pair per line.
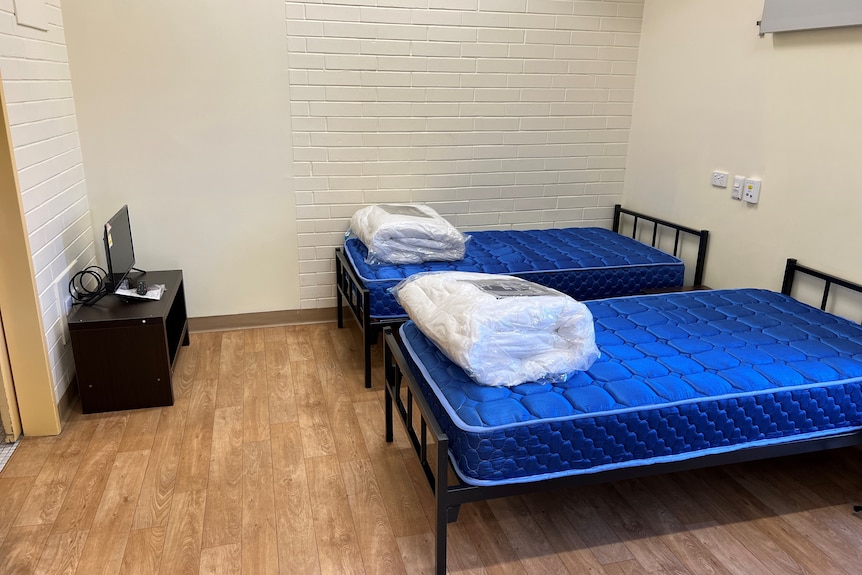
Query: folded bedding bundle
x,y
501,330
406,234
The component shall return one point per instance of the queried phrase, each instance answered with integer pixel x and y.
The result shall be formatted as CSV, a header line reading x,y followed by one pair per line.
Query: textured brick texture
x,y
508,114
47,153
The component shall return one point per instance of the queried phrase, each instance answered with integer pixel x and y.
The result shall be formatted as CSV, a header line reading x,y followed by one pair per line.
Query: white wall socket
x,y
751,191
719,179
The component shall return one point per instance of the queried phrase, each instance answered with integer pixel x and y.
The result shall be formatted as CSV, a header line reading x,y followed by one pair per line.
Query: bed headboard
x,y
792,268
702,235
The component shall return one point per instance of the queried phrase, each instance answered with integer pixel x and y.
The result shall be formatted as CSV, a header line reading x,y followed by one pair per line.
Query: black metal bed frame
x,y
657,224
352,291
404,396
792,267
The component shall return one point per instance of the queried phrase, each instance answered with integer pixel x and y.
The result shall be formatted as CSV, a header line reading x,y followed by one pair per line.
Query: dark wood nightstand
x,y
125,351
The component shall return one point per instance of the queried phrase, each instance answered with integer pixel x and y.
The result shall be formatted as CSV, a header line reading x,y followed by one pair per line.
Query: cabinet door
x,y
123,367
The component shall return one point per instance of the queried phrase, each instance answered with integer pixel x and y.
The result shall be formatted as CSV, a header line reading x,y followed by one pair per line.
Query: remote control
x,y
142,288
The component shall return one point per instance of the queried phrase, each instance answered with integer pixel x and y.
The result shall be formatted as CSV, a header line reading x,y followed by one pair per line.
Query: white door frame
x,y
19,300
9,416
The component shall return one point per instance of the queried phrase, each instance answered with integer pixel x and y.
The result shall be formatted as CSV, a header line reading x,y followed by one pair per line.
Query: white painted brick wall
x,y
498,113
47,152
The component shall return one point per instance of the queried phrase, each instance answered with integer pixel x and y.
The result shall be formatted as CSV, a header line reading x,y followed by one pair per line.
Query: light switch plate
x,y
738,183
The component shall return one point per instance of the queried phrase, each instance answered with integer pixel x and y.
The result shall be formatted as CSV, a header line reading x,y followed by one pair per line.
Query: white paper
x,y
154,292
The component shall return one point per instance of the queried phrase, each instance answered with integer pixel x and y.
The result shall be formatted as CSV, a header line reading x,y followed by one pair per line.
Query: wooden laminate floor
x,y
273,461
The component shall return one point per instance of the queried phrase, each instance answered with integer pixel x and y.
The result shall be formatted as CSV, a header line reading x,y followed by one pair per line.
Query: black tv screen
x,y
119,250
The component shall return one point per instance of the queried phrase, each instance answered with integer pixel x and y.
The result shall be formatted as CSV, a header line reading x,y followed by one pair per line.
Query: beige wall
x,y
711,94
184,116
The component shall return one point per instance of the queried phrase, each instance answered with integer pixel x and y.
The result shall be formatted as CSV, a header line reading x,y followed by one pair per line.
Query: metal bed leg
x,y
453,513
390,436
367,343
388,379
339,285
440,543
442,524
441,492
391,371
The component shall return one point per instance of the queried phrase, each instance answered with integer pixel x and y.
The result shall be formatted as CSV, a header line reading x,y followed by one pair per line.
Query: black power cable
x,y
83,295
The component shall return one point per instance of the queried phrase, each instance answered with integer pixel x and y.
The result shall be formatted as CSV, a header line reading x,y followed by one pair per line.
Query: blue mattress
x,y
681,375
585,263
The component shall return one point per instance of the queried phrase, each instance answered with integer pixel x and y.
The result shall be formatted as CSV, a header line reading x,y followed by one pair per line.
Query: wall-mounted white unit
x,y
789,15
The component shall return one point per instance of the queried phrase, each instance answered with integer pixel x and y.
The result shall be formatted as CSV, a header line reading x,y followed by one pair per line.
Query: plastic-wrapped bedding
x,y
502,330
406,234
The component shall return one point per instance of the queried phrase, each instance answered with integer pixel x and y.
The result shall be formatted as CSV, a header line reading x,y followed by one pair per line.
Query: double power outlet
x,y
747,189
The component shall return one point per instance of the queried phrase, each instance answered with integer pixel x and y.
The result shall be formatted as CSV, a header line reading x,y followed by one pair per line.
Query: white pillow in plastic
x,y
502,330
406,234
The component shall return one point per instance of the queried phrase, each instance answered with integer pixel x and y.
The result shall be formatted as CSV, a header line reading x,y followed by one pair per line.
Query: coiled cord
x,y
83,295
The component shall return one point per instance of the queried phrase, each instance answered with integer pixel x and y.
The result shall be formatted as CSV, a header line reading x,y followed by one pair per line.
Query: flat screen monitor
x,y
119,250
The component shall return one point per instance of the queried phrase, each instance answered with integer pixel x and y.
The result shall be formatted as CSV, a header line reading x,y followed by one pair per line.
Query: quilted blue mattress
x,y
681,375
585,263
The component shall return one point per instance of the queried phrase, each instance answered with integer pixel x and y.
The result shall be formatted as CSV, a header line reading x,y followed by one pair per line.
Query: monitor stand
x,y
134,280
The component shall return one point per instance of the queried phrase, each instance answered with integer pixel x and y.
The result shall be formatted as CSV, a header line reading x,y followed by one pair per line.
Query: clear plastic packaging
x,y
406,234
502,330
